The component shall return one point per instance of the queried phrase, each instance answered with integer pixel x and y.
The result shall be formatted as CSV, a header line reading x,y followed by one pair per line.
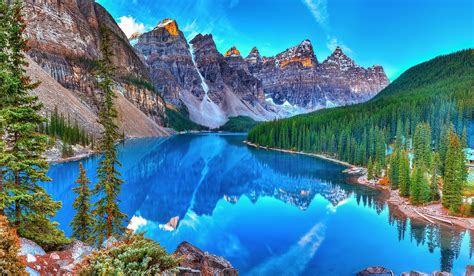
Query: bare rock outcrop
x,y
197,262
64,39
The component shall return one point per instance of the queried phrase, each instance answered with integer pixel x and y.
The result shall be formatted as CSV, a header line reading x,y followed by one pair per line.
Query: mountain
x,y
197,79
295,78
64,40
439,92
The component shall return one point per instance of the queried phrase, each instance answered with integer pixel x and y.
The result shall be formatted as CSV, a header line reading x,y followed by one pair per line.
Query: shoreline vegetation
x,y
432,213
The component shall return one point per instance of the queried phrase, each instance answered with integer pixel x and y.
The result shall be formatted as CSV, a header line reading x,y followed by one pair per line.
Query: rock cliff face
x,y
198,78
64,37
294,78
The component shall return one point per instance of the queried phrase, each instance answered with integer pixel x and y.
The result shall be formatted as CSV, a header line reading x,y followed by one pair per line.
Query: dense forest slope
x,y
439,92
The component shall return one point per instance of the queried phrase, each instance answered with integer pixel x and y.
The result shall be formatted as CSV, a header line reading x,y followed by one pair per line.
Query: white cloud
x,y
332,43
318,9
129,25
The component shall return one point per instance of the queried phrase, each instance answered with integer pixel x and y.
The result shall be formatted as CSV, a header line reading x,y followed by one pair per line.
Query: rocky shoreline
x,y
193,261
432,213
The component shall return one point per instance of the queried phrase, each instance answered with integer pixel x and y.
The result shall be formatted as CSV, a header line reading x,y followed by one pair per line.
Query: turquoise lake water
x,y
268,213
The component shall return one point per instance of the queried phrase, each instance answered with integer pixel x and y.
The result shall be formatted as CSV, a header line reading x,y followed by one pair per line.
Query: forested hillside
x,y
422,118
439,92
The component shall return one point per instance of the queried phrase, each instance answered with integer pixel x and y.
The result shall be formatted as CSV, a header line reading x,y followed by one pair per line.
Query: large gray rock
x,y
375,270
78,250
197,262
414,273
30,247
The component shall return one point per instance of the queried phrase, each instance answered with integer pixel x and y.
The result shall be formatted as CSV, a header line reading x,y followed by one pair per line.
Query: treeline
x,y
359,132
58,126
422,107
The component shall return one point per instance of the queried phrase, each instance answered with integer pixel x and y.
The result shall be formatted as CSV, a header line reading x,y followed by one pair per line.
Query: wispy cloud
x,y
295,260
129,25
318,9
332,42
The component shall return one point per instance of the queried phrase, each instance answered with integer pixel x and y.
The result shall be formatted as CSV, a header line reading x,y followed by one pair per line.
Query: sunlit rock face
x,y
167,54
302,54
64,39
294,78
232,52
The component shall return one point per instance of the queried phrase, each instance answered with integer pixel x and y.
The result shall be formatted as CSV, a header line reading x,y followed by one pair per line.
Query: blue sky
x,y
394,34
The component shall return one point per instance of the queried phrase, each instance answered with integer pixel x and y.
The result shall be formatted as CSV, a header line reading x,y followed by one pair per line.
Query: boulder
x,y
441,273
375,270
414,273
30,247
197,262
109,242
78,250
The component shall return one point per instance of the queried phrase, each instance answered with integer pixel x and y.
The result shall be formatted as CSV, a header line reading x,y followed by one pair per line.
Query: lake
x,y
268,213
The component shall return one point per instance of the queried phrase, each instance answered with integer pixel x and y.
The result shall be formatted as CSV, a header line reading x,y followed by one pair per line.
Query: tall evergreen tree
x,y
107,212
394,170
370,169
404,174
82,224
29,206
453,174
434,192
419,187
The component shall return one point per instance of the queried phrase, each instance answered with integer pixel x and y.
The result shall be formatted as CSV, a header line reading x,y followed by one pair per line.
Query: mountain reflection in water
x,y
269,213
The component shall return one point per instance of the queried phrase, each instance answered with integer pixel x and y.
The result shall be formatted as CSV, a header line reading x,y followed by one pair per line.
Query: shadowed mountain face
x,y
264,211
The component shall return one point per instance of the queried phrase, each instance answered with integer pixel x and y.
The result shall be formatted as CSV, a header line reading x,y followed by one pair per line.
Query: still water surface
x,y
268,213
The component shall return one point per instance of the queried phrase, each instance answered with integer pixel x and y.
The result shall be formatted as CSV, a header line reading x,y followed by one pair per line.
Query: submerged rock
x,y
414,273
197,262
375,270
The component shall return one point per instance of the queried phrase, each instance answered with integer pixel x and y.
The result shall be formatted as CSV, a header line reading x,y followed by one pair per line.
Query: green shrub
x,y
135,255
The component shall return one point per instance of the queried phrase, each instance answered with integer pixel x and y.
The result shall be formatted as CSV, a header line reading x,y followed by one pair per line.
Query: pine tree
x,y
434,192
5,82
464,138
370,169
454,173
29,206
107,212
419,187
377,169
394,170
404,175
83,222
10,264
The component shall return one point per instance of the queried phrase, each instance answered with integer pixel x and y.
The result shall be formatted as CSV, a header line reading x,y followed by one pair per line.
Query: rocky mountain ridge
x,y
64,39
295,79
195,77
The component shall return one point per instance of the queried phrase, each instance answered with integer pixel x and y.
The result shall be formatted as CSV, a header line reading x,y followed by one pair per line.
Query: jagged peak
x,y
135,35
232,52
306,42
170,25
339,58
302,53
254,52
254,56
